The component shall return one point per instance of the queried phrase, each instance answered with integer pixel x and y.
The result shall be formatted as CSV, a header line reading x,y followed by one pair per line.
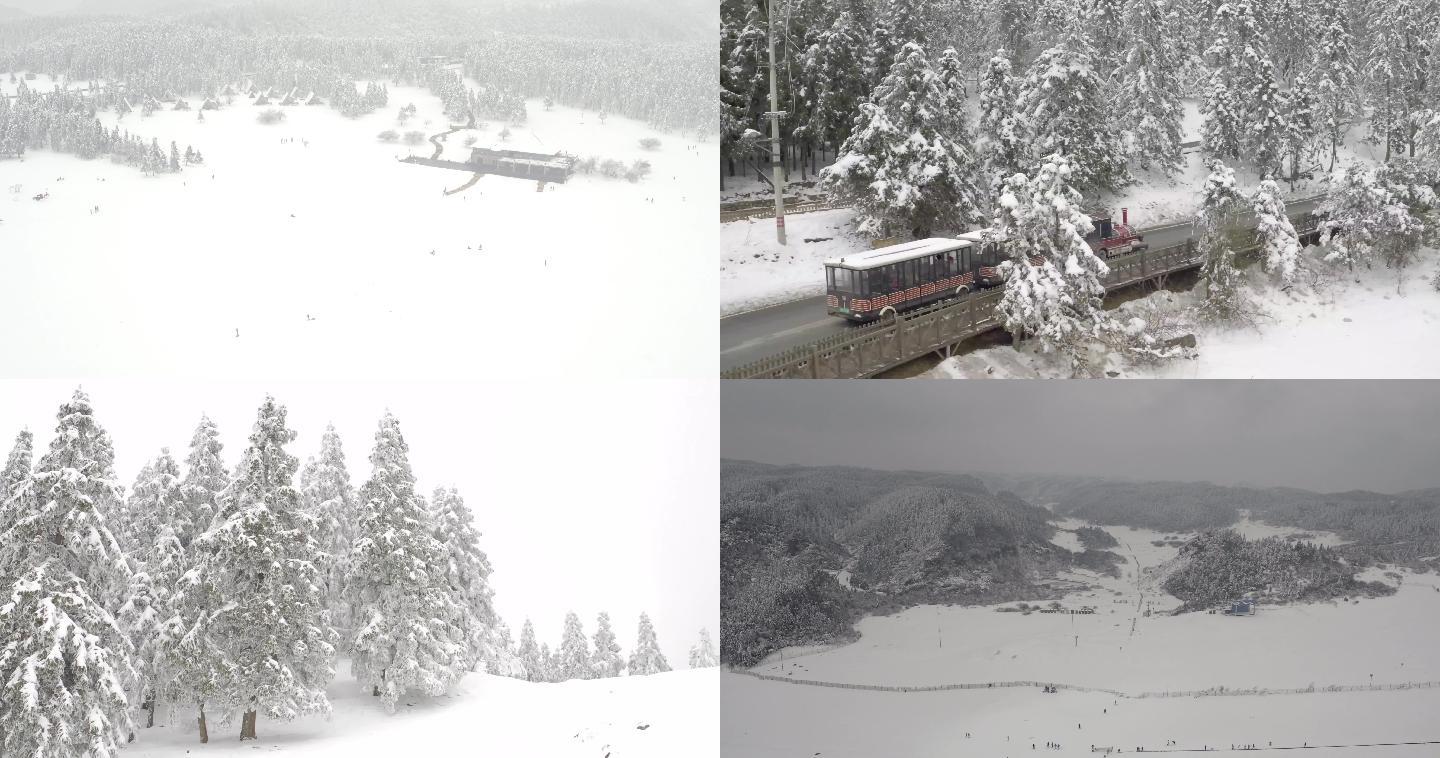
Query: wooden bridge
x,y
865,351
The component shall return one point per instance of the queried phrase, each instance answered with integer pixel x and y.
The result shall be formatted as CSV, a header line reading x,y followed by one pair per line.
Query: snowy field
x,y
1340,329
214,271
631,717
777,720
1117,648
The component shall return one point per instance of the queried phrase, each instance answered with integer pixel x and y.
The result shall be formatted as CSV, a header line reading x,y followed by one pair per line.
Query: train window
x,y
892,278
830,277
842,280
965,259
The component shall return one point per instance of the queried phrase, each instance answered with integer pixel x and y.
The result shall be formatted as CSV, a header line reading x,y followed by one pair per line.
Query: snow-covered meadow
x,y
306,244
635,717
1120,648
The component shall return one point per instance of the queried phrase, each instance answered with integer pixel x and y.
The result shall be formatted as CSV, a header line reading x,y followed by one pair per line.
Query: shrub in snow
x,y
611,168
650,143
414,137
271,116
389,135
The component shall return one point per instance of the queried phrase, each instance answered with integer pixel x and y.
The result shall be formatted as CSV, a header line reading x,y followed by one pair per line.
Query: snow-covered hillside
x,y
307,243
1130,645
658,716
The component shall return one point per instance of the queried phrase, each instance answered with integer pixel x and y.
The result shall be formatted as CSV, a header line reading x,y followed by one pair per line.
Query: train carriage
x,y
868,285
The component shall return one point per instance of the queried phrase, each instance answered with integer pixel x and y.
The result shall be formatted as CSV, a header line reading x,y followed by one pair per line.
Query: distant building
x,y
1243,607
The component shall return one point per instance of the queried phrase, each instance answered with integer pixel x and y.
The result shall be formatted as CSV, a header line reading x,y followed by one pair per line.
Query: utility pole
x,y
777,171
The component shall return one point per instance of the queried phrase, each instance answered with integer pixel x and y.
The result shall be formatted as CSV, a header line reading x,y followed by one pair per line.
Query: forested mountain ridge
x,y
904,537
1220,566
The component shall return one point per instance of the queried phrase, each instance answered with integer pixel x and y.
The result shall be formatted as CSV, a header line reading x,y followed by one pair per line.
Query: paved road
x,y
748,337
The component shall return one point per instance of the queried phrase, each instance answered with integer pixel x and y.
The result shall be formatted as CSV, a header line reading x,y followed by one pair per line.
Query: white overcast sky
x,y
1326,436
592,494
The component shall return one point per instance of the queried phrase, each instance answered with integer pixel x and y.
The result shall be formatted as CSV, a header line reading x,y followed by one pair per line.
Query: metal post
x,y
777,171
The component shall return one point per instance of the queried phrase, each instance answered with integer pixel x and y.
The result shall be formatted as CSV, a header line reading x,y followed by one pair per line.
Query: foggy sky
x,y
1327,436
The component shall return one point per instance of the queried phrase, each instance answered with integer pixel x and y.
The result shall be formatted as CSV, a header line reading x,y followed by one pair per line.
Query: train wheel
x,y
888,310
962,290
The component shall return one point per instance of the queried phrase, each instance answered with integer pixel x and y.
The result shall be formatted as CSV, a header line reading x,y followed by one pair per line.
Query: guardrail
x,y
865,351
769,211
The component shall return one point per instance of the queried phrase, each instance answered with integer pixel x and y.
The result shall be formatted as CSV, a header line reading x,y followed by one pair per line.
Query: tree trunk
x,y
204,732
150,709
247,726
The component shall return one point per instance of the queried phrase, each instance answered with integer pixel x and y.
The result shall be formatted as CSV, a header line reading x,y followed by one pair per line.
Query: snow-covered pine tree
x,y
406,637
149,618
155,500
468,576
270,621
1225,300
1336,77
1224,99
1065,105
702,656
529,653
908,163
607,661
1059,300
549,664
574,656
832,63
1300,125
13,478
1150,111
1397,67
205,479
1279,243
647,658
329,498
64,662
1000,140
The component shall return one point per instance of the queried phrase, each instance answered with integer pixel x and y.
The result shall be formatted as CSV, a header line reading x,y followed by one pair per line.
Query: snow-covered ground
x,y
307,246
1377,641
628,717
756,271
777,720
1340,329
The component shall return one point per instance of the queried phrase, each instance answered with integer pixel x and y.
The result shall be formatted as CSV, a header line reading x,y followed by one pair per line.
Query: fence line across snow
x,y
1209,692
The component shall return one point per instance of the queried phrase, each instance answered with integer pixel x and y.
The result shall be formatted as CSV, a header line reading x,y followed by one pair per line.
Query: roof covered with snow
x,y
896,253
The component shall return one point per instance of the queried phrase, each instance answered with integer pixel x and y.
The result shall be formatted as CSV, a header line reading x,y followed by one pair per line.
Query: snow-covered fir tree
x,y
329,499
1397,65
908,165
833,67
647,658
155,500
13,478
529,654
607,661
1301,129
1363,216
149,616
1000,139
1280,245
1225,299
1336,77
1241,86
205,478
269,620
406,633
1057,299
574,655
1063,102
64,661
702,656
468,576
1149,91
